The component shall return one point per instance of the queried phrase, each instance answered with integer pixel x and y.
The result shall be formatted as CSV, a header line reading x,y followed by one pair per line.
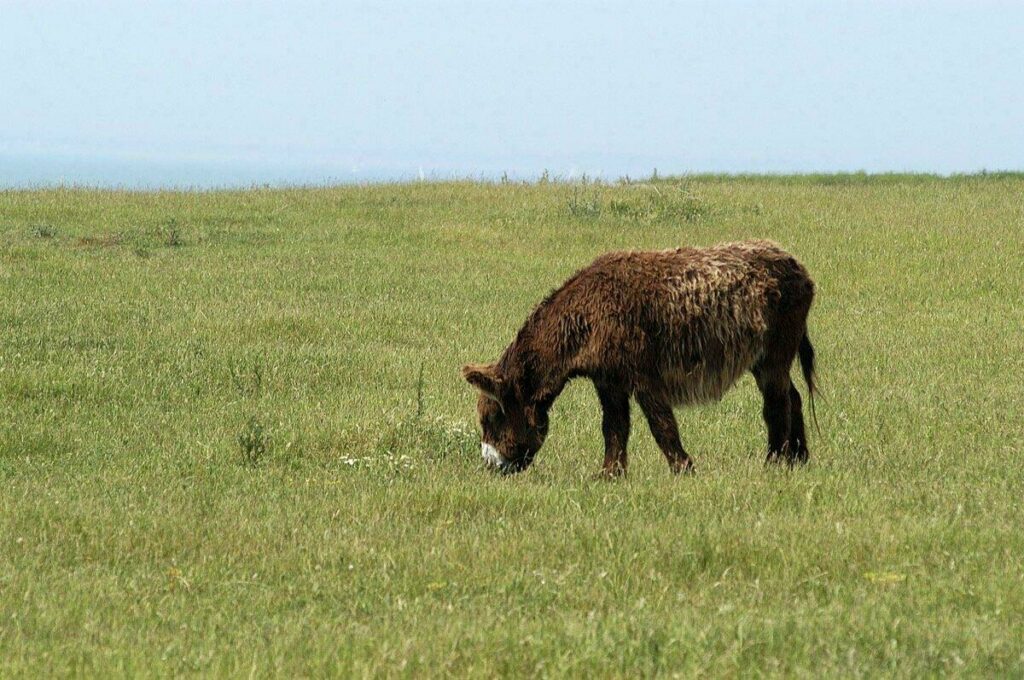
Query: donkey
x,y
668,328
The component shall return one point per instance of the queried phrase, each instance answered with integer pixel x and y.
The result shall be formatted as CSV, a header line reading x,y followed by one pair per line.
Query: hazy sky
x,y
217,92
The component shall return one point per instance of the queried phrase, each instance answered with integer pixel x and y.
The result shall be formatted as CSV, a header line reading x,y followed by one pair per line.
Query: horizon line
x,y
542,179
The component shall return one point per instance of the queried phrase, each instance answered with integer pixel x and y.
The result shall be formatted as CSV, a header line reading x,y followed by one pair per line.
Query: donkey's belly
x,y
708,380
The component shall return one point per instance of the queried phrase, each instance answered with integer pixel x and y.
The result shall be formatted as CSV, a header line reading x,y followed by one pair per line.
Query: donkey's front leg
x,y
614,426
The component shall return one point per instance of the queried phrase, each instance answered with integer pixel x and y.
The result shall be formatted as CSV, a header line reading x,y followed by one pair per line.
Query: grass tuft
x,y
253,442
44,231
584,203
650,203
171,234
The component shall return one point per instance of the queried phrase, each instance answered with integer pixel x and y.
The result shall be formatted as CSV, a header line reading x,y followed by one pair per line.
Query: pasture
x,y
234,439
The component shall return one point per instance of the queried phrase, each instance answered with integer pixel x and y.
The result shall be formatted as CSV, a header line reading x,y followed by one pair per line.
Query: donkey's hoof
x,y
610,473
683,467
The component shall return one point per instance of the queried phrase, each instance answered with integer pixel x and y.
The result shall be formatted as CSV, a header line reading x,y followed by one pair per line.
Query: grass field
x,y
234,439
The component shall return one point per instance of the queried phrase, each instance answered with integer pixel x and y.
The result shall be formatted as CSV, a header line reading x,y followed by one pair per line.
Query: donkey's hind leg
x,y
798,452
775,387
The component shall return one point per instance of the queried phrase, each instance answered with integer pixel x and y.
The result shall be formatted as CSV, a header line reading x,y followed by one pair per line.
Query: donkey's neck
x,y
534,362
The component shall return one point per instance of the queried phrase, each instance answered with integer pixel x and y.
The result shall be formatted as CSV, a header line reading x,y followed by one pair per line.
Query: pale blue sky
x,y
207,93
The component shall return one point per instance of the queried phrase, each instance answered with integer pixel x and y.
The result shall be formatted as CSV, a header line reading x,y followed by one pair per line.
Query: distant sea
x,y
21,170
30,171
26,171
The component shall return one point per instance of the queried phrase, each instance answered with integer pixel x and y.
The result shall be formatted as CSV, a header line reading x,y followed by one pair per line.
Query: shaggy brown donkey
x,y
668,328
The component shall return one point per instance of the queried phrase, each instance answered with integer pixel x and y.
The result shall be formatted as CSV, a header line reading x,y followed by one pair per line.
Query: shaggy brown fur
x,y
668,328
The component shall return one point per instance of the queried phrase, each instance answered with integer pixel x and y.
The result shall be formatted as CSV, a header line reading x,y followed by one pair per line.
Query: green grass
x,y
234,439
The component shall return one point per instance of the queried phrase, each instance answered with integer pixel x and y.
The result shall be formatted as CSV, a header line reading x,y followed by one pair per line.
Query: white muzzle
x,y
491,456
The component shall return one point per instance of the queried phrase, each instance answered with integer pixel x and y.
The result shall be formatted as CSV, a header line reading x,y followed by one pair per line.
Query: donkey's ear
x,y
485,378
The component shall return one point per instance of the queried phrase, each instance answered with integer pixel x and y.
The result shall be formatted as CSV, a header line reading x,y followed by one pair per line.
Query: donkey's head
x,y
512,431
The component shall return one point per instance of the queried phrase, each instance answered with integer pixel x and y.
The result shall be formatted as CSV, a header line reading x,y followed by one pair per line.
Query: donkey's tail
x,y
807,366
